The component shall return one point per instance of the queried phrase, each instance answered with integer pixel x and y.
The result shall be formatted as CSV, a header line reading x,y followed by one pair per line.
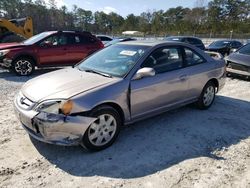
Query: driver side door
x,y
165,89
52,51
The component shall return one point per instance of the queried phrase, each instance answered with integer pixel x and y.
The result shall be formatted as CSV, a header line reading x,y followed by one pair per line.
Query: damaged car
x,y
239,62
119,85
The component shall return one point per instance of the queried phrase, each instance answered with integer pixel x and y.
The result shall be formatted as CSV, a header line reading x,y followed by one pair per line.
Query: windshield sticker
x,y
128,53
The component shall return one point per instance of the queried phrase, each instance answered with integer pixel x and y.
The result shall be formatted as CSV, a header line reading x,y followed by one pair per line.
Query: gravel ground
x,y
182,148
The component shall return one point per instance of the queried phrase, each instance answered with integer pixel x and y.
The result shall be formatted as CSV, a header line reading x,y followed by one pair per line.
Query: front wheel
x,y
207,96
104,130
23,66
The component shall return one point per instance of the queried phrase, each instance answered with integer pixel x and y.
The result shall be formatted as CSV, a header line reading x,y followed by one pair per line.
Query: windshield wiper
x,y
100,73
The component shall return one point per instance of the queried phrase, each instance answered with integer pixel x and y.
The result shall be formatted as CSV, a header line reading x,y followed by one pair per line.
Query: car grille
x,y
237,66
23,102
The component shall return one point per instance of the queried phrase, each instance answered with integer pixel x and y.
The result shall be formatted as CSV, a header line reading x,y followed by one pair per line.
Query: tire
x,y
23,66
94,138
207,96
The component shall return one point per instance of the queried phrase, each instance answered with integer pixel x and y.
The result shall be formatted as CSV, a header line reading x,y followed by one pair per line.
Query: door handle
x,y
183,77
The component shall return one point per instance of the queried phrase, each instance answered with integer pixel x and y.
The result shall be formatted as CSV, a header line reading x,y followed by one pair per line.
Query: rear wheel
x,y
207,96
23,66
103,132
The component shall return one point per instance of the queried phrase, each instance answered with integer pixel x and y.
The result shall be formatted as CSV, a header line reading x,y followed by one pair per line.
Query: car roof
x,y
150,42
226,40
104,36
183,37
69,31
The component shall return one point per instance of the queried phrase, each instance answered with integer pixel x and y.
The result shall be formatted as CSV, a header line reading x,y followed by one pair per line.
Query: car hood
x,y
239,58
63,84
4,46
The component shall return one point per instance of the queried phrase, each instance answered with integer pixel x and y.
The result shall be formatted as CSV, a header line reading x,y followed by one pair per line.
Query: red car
x,y
48,49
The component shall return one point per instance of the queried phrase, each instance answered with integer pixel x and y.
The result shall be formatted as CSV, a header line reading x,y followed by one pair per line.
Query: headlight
x,y
3,52
56,107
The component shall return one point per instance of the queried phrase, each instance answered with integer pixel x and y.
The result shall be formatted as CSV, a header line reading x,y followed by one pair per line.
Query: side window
x,y
239,44
55,40
190,41
73,39
164,60
86,39
194,41
236,44
192,58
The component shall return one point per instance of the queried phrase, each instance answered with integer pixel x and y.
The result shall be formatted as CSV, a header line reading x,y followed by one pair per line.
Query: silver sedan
x,y
116,86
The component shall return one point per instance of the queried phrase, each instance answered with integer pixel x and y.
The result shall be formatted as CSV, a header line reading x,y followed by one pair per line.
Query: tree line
x,y
216,17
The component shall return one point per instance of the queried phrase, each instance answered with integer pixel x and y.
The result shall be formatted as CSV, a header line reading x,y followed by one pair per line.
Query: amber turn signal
x,y
67,107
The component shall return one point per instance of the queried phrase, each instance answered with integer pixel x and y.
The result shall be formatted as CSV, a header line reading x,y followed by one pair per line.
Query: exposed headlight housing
x,y
56,107
3,52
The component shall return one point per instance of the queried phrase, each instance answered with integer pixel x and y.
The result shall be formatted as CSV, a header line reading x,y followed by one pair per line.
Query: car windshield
x,y
37,38
245,50
220,43
116,60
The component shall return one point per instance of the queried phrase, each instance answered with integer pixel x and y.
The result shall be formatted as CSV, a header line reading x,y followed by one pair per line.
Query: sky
x,y
125,7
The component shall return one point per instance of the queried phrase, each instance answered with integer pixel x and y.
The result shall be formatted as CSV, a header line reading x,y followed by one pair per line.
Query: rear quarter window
x,y
192,58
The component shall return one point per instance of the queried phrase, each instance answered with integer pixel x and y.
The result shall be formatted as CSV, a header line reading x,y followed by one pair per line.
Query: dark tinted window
x,y
164,59
104,38
81,39
192,58
194,41
236,44
245,49
220,44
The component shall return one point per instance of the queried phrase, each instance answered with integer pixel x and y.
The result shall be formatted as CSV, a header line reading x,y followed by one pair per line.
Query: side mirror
x,y
144,72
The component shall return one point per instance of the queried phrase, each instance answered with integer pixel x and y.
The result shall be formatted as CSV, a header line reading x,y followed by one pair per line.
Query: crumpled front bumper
x,y
239,72
53,128
5,62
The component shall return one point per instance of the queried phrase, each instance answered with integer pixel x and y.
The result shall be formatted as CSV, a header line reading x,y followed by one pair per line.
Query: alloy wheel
x,y
102,130
23,67
209,95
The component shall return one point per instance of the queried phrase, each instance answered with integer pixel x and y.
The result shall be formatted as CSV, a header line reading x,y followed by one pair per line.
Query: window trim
x,y
179,48
53,35
184,57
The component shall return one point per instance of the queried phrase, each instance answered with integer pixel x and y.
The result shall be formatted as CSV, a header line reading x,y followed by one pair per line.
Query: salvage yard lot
x,y
182,148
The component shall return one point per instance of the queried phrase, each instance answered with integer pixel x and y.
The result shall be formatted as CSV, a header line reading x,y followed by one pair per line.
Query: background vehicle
x,y
189,40
225,47
239,62
122,84
215,55
48,49
117,40
105,39
15,30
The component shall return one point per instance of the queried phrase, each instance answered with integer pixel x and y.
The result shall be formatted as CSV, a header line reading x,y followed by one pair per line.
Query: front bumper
x,y
239,72
5,62
53,128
